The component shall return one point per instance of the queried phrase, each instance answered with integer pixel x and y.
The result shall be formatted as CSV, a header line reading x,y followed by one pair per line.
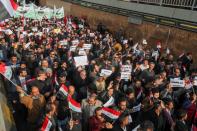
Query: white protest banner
x,y
177,83
34,29
81,60
105,72
82,52
63,42
87,46
136,108
73,48
91,34
126,68
125,75
75,42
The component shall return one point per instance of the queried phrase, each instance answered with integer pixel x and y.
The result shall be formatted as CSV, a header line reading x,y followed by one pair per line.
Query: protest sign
x,y
34,29
177,83
126,68
136,108
105,72
125,75
63,42
81,60
75,42
82,52
91,34
87,46
73,48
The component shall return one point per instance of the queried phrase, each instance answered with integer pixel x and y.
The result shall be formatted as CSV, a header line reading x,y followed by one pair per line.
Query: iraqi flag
x,y
46,126
6,71
111,113
110,102
7,8
73,105
64,89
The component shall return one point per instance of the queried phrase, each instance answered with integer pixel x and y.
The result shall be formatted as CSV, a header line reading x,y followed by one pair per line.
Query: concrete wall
x,y
179,40
170,12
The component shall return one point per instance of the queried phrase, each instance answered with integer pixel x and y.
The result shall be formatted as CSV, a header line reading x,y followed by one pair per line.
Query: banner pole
x,y
9,80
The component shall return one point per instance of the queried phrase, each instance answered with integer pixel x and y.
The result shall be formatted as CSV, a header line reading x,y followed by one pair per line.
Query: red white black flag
x,y
7,8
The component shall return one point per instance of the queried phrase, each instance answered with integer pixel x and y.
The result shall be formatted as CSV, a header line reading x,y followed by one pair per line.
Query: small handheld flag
x,y
46,125
64,90
111,113
73,105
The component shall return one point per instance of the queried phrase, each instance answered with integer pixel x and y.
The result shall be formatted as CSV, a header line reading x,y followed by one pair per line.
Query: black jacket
x,y
180,126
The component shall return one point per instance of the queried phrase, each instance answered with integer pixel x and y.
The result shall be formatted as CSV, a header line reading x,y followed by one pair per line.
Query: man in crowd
x,y
35,103
97,70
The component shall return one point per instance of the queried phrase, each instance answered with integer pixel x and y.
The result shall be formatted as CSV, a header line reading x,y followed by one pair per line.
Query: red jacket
x,y
95,124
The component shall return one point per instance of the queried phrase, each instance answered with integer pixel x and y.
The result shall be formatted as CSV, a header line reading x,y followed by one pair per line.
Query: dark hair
x,y
129,91
122,99
122,117
97,109
181,114
21,70
48,108
41,72
147,125
13,55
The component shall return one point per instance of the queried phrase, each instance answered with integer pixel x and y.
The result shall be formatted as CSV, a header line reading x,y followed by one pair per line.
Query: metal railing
x,y
181,24
187,4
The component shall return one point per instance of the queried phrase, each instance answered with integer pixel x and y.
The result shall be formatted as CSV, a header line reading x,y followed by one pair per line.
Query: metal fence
x,y
187,4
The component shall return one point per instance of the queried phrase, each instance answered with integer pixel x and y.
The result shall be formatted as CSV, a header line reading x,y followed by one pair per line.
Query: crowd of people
x,y
41,54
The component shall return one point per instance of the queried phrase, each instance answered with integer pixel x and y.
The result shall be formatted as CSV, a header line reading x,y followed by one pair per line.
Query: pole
x,y
13,83
71,115
9,80
169,31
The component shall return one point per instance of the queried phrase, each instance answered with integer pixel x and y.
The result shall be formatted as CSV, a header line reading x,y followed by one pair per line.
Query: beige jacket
x,y
34,106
